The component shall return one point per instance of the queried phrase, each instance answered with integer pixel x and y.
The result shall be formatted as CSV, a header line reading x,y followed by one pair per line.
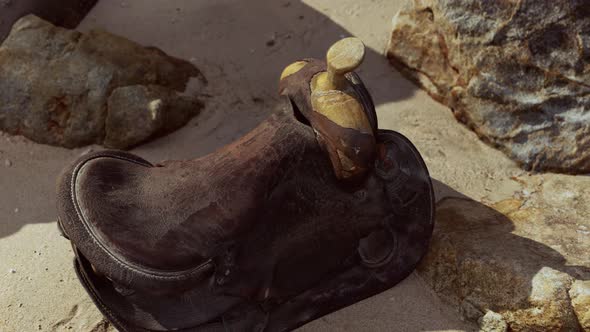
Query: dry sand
x,y
230,41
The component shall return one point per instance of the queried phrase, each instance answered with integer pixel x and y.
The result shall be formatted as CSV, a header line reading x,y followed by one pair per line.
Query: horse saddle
x,y
313,210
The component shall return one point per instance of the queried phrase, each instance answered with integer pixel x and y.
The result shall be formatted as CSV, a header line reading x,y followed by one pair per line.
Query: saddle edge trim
x,y
119,261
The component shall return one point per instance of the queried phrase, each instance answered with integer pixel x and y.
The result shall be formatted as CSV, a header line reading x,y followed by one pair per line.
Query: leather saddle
x,y
312,211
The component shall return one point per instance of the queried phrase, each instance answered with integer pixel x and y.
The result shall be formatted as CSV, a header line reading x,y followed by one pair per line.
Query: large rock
x,y
525,259
517,72
62,87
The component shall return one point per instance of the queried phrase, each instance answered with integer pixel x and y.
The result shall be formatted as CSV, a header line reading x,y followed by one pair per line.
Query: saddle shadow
x,y
477,260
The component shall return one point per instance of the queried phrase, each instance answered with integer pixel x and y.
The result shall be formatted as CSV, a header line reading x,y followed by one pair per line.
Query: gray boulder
x,y
516,72
65,88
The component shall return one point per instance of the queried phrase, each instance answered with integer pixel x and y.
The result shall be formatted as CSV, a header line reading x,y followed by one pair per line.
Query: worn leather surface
x,y
257,236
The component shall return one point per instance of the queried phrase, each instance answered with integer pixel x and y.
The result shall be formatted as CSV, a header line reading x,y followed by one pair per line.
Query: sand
x,y
230,40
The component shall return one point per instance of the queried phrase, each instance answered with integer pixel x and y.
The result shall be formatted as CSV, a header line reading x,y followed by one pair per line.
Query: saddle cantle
x,y
312,211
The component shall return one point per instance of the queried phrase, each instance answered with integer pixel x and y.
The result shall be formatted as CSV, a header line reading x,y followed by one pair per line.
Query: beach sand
x,y
241,47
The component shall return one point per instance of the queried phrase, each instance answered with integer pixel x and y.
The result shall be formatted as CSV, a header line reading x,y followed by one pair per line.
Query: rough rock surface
x,y
517,72
137,112
580,295
492,322
62,87
524,258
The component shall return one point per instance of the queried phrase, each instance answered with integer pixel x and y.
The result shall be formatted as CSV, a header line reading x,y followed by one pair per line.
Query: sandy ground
x,y
230,40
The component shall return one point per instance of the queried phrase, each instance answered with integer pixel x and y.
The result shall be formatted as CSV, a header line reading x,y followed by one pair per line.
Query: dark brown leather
x,y
257,236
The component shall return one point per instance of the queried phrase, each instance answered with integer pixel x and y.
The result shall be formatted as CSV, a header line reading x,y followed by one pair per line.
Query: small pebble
x,y
7,163
16,210
12,271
